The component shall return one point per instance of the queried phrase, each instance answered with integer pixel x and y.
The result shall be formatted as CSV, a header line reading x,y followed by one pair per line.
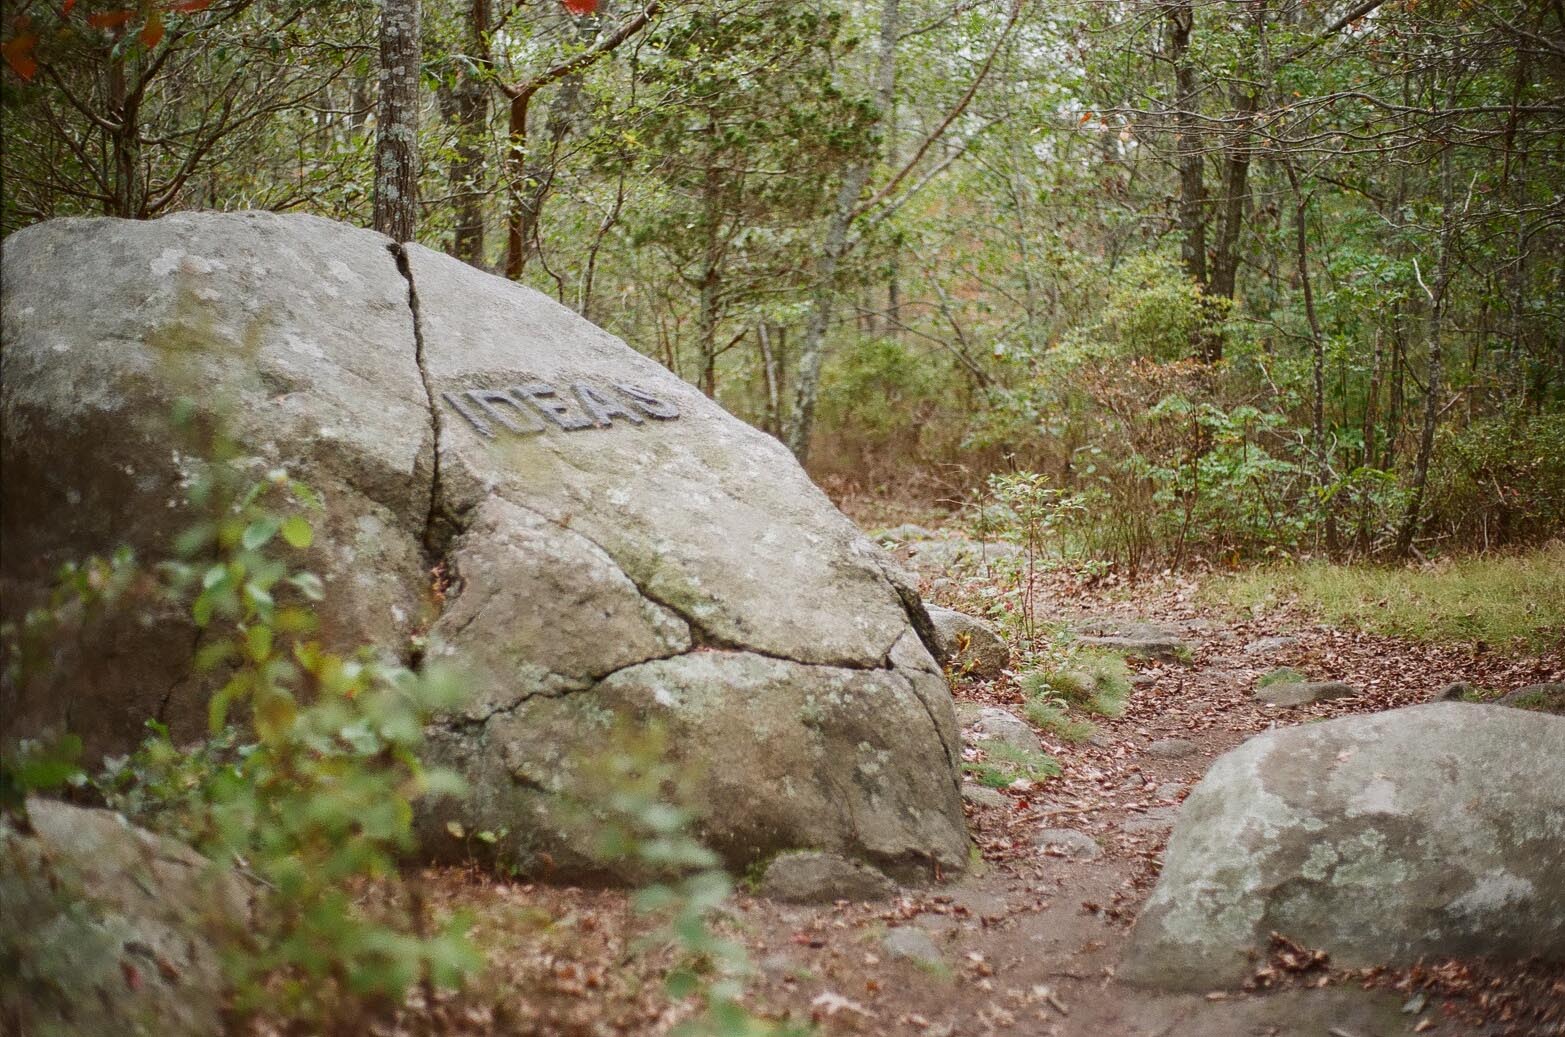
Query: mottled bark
x,y
396,129
807,385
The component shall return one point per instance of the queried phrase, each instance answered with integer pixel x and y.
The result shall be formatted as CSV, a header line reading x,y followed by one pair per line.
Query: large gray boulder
x,y
610,545
106,928
1434,830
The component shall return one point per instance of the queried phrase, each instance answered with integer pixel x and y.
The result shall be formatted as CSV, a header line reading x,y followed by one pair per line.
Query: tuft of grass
x,y
1514,603
1281,675
1096,681
1052,715
1004,764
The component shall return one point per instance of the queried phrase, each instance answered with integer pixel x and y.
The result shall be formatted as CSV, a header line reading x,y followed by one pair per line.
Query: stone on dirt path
x,y
1172,748
1542,698
811,877
998,725
913,945
1303,693
1135,638
1433,830
968,644
1068,842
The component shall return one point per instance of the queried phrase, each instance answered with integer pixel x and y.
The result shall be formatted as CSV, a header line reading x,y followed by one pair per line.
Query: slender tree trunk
x,y
128,198
769,370
396,130
472,129
807,384
1435,363
1236,180
1187,143
1317,352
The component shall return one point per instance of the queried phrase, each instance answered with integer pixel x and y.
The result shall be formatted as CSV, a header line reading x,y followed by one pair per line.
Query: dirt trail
x,y
1030,942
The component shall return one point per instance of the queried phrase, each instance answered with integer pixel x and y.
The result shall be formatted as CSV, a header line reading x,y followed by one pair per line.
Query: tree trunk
x,y
468,152
1317,353
807,384
1187,144
396,130
1426,439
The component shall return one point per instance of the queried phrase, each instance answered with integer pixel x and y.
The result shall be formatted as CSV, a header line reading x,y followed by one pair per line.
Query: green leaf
x,y
309,585
297,531
259,532
258,639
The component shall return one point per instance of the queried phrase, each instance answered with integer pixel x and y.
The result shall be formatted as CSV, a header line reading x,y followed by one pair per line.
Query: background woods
x,y
1231,277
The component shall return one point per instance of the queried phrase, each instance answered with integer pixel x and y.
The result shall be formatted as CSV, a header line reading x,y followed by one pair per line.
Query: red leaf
x,y
18,51
132,975
110,19
190,6
152,32
65,10
580,7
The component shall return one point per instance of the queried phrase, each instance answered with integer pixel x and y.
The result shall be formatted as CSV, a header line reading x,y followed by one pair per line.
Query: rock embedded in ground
x,y
913,945
984,796
615,547
1068,842
955,554
1172,748
1154,819
106,928
1303,693
968,644
811,877
1269,645
1001,726
1457,691
1431,831
1135,638
1542,698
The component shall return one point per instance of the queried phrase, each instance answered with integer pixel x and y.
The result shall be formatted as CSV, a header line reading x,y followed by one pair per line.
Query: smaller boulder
x,y
913,945
108,928
997,725
1171,748
969,645
1457,691
1302,693
944,554
1068,842
812,877
1134,638
984,796
1541,698
1269,645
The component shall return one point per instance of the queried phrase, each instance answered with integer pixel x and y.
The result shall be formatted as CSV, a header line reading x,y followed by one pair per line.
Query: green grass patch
x,y
1052,715
1281,675
1004,764
1096,681
1514,603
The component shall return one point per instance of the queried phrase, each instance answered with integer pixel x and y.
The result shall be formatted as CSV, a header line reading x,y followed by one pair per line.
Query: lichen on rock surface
x,y
1424,831
613,546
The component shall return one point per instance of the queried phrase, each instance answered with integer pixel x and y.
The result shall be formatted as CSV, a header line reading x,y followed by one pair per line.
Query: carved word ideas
x,y
532,407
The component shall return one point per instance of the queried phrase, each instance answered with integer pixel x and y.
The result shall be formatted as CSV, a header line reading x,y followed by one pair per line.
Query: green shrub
x,y
1500,481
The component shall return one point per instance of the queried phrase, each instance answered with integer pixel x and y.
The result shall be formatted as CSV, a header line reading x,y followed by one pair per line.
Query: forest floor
x,y
1029,942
